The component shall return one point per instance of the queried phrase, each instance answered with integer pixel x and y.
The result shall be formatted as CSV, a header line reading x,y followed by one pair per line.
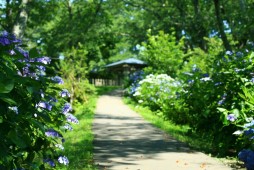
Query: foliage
x,y
217,90
74,70
79,143
241,115
163,54
203,60
34,109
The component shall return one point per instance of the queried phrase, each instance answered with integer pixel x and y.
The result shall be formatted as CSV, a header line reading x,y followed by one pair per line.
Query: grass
x,y
105,89
79,142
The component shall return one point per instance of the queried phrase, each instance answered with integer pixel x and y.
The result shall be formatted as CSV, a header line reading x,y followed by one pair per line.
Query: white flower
x,y
59,146
238,132
140,101
206,79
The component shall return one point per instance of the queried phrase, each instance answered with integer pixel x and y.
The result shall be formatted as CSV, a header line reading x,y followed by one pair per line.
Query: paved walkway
x,y
124,141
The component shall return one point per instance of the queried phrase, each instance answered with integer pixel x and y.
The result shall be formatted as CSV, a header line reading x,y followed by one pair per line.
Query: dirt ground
x,y
125,141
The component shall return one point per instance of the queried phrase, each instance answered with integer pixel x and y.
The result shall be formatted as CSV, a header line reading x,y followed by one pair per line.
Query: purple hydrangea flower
x,y
52,133
63,160
23,52
58,80
45,105
222,101
44,60
65,93
50,162
41,68
12,52
231,117
7,39
71,118
66,108
4,41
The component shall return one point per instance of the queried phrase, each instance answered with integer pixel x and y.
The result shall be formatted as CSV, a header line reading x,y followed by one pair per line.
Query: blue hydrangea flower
x,y
249,132
65,93
7,39
231,117
45,105
44,60
66,108
63,160
52,133
71,118
41,68
229,52
50,162
57,80
247,156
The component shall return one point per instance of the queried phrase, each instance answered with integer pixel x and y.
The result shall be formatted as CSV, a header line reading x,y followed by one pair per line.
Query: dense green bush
x,y
214,98
34,111
74,70
163,54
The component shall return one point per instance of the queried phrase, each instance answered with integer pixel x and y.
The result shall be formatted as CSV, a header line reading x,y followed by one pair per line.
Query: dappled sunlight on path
x,y
123,140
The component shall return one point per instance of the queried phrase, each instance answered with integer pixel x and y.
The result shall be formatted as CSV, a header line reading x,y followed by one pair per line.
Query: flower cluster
x,y
247,156
156,90
31,97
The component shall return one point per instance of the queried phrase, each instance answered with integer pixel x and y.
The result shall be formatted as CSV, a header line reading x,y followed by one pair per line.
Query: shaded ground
x,y
124,140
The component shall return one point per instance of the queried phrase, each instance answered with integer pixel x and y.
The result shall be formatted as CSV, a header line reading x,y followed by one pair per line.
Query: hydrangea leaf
x,y
8,100
13,136
6,86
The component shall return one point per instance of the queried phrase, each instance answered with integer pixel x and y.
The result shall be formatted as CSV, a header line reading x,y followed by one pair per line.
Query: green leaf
x,y
222,109
37,124
13,136
6,85
33,53
236,112
1,119
8,100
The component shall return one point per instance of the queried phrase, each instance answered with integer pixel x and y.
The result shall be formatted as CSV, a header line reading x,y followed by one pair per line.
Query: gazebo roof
x,y
128,61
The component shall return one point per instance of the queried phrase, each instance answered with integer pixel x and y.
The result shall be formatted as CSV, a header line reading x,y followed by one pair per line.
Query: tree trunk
x,y
21,20
221,26
199,26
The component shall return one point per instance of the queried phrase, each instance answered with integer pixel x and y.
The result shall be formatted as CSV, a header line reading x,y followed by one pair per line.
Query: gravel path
x,y
125,141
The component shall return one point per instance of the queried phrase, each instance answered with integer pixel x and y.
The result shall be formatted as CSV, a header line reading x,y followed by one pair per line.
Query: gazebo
x,y
123,68
126,66
119,71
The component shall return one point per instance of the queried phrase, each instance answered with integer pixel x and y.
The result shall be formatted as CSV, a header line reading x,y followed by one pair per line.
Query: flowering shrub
x,y
133,82
159,92
34,109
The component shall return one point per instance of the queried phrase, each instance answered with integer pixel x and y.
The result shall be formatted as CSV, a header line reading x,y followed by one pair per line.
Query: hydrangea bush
x,y
241,116
34,110
159,92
